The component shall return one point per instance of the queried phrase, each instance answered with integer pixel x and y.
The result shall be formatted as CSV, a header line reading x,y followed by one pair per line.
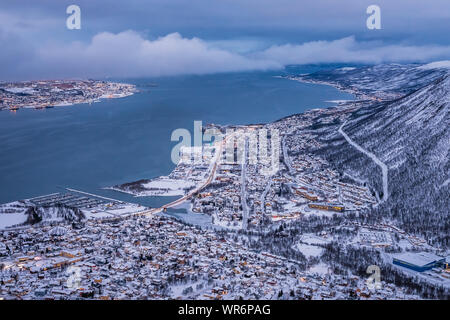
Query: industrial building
x,y
306,195
418,261
327,206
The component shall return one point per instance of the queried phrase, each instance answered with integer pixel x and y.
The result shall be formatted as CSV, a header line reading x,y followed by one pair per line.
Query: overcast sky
x,y
137,38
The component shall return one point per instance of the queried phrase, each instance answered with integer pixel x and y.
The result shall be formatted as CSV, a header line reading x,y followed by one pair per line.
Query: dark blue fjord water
x,y
89,147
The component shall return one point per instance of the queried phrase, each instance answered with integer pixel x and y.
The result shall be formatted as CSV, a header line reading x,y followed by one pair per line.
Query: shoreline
x,y
338,103
60,93
359,96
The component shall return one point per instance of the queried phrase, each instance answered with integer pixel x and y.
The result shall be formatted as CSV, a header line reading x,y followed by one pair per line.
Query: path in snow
x,y
286,158
382,165
243,191
264,194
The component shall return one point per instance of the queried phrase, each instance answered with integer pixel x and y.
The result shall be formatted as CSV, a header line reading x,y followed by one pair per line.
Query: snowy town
x,y
100,248
154,257
46,94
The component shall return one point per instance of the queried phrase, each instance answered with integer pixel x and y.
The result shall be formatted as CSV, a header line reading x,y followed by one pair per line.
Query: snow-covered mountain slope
x,y
397,130
437,65
386,81
411,136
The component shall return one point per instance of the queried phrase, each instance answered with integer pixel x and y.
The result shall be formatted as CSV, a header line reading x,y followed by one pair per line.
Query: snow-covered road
x,y
381,164
243,190
286,158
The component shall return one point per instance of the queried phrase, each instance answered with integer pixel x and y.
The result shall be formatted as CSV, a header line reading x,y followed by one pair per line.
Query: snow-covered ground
x,y
162,186
314,240
167,187
309,245
320,268
436,65
11,214
308,250
199,219
11,219
104,211
24,90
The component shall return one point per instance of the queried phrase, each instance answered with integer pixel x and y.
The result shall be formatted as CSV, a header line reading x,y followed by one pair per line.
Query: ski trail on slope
x,y
382,165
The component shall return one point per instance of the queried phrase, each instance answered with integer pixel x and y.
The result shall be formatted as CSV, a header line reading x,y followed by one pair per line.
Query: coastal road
x,y
190,194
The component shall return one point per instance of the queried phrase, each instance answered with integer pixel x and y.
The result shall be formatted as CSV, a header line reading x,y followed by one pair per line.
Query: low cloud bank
x,y
350,50
128,54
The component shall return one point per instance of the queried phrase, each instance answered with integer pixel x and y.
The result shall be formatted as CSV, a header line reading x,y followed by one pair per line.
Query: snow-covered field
x,y
162,186
11,219
314,240
199,219
308,250
11,214
167,187
320,268
309,245
25,90
119,210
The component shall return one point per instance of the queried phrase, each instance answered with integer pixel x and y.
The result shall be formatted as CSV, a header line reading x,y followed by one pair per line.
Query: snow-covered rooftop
x,y
418,258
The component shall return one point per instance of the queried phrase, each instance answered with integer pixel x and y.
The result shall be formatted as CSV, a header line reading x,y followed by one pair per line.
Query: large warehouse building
x,y
418,261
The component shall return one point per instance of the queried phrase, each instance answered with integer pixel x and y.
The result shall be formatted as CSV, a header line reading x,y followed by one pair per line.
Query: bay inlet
x,y
93,146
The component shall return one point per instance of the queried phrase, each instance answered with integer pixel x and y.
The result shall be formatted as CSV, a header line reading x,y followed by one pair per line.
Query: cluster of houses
x,y
304,183
140,257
